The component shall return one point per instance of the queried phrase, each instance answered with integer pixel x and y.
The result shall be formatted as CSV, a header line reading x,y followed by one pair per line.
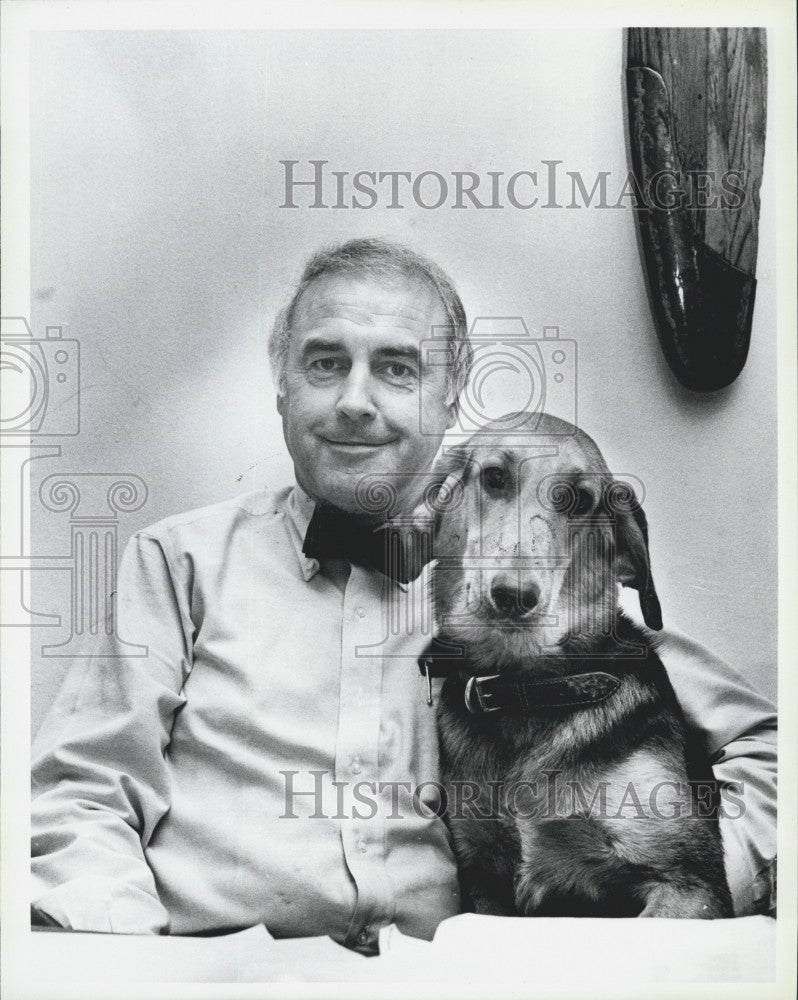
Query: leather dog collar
x,y
494,692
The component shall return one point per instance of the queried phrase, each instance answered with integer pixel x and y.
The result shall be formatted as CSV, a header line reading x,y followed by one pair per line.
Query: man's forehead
x,y
404,303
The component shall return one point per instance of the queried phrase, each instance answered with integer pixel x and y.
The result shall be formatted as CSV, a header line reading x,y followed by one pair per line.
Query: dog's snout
x,y
512,598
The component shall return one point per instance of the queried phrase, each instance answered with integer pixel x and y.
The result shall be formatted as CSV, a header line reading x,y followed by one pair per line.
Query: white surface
x,y
518,952
580,952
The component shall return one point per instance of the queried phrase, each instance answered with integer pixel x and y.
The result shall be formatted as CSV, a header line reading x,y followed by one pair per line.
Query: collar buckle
x,y
477,700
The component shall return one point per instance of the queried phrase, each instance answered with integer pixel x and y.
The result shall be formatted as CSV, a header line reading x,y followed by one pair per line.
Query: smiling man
x,y
354,397
272,758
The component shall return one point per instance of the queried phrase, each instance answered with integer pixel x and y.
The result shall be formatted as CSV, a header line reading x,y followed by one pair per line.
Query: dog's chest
x,y
488,773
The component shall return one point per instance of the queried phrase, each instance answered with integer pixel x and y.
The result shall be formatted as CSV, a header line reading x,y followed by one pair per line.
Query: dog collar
x,y
491,693
494,692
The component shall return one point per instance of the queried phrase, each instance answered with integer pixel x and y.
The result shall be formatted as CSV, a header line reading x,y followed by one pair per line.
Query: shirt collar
x,y
300,510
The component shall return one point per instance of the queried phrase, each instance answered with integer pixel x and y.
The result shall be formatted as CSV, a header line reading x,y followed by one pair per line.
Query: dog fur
x,y
531,840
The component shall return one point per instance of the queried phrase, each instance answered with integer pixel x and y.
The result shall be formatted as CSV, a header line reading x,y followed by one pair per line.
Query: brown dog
x,y
563,749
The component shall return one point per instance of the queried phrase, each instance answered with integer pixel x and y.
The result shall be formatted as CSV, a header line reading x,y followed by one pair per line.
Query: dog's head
x,y
531,536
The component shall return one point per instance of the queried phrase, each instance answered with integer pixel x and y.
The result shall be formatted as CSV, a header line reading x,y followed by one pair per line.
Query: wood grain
x,y
717,82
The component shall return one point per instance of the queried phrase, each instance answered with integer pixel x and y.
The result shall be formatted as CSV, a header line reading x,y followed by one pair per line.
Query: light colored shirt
x,y
270,757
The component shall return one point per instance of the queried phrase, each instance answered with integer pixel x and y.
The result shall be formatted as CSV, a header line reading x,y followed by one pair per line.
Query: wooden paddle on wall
x,y
696,102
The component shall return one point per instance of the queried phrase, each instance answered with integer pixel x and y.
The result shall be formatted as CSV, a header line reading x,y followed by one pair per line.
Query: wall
x,y
158,241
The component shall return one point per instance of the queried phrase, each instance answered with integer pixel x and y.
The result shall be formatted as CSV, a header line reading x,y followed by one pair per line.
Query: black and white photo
x,y
398,478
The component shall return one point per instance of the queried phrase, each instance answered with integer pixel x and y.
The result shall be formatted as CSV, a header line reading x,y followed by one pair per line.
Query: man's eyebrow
x,y
409,353
321,344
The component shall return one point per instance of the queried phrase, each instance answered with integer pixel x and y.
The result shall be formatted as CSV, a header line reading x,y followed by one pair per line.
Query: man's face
x,y
357,397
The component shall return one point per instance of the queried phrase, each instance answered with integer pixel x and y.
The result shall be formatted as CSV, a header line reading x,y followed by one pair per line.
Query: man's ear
x,y
454,410
280,402
633,563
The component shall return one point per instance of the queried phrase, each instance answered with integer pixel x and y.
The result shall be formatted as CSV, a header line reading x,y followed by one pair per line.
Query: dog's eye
x,y
494,478
565,497
583,503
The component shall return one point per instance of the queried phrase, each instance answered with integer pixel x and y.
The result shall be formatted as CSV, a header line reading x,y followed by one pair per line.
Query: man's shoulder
x,y
221,517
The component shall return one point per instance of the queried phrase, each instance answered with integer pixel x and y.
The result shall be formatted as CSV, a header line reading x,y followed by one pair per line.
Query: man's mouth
x,y
356,444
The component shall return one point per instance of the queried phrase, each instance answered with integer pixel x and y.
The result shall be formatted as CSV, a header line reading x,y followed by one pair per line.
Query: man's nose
x,y
512,596
356,399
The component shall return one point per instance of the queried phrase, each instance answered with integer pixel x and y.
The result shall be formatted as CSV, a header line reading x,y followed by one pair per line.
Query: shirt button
x,y
363,937
356,765
360,612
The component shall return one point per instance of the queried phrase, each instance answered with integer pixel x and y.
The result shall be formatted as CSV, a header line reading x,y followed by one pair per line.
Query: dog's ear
x,y
633,563
414,533
443,491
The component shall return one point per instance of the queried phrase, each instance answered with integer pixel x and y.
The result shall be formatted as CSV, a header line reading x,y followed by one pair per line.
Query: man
x,y
272,758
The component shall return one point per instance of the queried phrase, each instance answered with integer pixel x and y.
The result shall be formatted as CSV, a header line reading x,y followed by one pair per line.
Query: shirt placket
x,y
357,759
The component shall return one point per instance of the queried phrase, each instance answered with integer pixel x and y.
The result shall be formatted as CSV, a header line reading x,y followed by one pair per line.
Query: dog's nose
x,y
513,600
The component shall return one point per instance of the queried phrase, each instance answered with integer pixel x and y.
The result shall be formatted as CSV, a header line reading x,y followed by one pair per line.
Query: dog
x,y
571,784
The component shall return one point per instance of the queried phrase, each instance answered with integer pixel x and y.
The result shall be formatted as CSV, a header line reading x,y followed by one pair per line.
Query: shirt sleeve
x,y
100,778
737,727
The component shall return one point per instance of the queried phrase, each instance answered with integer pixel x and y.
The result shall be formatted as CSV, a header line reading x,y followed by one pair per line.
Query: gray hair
x,y
380,260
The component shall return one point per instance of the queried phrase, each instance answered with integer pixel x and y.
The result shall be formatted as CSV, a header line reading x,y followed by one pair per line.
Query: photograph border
x,y
19,19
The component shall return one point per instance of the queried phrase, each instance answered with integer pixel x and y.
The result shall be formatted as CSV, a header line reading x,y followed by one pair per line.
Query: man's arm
x,y
737,727
100,780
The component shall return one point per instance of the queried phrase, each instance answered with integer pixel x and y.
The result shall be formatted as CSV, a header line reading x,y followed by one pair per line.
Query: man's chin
x,y
372,492
351,496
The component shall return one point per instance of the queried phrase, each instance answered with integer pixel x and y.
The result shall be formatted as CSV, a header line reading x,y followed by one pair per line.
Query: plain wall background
x,y
158,241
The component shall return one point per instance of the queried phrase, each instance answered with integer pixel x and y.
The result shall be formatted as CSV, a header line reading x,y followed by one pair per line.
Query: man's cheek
x,y
433,416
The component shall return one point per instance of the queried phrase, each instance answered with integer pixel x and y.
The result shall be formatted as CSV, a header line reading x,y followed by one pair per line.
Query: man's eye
x,y
326,365
398,371
494,478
